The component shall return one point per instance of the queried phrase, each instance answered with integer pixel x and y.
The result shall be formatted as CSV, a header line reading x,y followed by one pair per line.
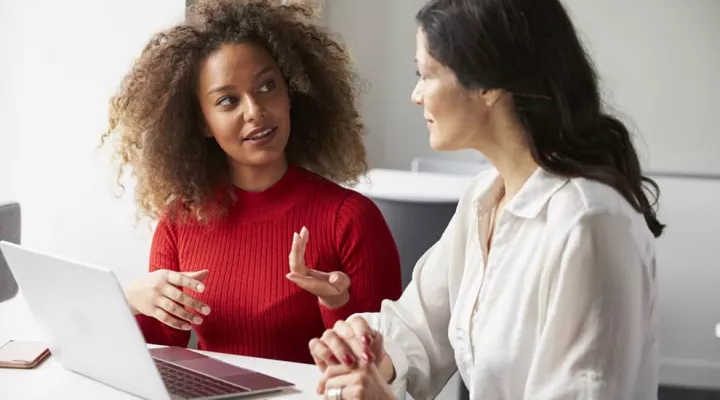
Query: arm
x,y
415,328
368,255
163,255
598,317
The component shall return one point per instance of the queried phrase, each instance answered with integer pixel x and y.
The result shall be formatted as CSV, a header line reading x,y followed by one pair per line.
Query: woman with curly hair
x,y
236,124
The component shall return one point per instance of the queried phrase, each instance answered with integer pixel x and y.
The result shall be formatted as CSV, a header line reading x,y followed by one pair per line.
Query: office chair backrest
x,y
415,226
9,232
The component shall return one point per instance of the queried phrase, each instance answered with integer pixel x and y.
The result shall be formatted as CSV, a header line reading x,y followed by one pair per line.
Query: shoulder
x,y
582,198
343,199
598,211
359,209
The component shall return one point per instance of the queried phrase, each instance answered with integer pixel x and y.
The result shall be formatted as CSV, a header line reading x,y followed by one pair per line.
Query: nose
x,y
416,95
254,111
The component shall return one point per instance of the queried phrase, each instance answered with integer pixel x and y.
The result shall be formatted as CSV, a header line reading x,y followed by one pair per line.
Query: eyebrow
x,y
228,87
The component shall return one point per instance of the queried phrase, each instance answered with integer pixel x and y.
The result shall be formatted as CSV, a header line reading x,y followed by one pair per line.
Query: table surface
x,y
422,187
50,380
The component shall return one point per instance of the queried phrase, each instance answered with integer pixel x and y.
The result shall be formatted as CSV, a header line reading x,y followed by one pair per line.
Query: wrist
x,y
387,369
132,308
334,302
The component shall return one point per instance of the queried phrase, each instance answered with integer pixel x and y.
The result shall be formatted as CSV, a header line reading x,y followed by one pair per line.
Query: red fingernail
x,y
366,339
334,360
348,360
368,356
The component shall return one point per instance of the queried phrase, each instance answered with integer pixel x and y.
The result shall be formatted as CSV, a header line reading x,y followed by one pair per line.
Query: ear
x,y
491,96
206,130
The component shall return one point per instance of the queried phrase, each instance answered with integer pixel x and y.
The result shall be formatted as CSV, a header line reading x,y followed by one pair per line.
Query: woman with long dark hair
x,y
543,285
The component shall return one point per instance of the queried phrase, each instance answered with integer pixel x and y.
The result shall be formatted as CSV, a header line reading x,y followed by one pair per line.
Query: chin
x,y
447,141
439,143
259,159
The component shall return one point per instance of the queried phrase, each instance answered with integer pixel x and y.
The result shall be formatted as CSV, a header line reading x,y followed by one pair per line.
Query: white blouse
x,y
564,307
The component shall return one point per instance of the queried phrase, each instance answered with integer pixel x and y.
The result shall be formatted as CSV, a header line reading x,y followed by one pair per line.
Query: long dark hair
x,y
530,49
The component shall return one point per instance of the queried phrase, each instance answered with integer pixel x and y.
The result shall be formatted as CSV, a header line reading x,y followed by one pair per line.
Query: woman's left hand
x,y
362,382
331,288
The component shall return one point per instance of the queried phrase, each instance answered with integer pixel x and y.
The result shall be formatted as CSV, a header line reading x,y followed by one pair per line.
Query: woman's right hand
x,y
159,295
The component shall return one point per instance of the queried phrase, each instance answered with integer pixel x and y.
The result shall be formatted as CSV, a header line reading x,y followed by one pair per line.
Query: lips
x,y
259,133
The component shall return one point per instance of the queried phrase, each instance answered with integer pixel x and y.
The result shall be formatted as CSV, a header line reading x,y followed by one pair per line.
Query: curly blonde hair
x,y
156,121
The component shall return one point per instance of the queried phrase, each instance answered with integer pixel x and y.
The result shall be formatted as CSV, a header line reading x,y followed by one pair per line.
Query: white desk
x,y
51,381
420,187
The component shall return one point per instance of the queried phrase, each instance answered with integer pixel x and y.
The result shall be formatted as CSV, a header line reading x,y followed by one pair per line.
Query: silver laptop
x,y
90,330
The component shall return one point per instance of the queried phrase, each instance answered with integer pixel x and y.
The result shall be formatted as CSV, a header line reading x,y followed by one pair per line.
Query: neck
x,y
257,179
509,151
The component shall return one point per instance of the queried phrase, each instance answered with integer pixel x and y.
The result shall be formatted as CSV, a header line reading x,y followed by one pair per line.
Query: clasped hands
x,y
353,361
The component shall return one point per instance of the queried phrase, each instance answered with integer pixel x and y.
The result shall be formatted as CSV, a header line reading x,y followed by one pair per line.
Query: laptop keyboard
x,y
190,384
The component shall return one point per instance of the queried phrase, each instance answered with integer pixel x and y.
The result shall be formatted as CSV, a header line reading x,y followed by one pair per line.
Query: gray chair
x,y
415,226
10,232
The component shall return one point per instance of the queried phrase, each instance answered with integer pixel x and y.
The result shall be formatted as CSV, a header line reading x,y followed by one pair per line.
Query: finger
x,y
322,365
305,236
339,348
354,383
330,372
318,287
340,281
297,256
333,279
337,370
358,347
167,319
369,339
361,328
178,279
183,298
322,355
354,391
176,310
197,275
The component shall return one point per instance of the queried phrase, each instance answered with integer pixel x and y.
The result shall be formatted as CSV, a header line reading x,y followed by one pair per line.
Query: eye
x,y
226,101
267,86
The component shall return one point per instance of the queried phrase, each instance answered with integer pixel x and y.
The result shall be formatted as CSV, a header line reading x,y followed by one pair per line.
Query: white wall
x,y
61,61
659,60
689,282
381,38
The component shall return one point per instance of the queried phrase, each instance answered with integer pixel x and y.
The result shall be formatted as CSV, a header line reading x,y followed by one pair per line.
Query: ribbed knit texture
x,y
255,310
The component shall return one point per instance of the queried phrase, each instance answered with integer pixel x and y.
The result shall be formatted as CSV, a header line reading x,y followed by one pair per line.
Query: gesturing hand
x,y
331,288
159,295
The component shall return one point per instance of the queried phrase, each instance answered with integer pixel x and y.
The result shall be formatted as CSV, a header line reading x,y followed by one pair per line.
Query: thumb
x,y
198,275
340,281
377,347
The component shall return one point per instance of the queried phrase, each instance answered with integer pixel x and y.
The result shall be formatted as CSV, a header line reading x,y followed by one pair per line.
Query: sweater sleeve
x,y
163,255
368,255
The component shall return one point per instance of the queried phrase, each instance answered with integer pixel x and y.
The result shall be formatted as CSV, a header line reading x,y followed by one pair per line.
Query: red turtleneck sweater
x,y
255,310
